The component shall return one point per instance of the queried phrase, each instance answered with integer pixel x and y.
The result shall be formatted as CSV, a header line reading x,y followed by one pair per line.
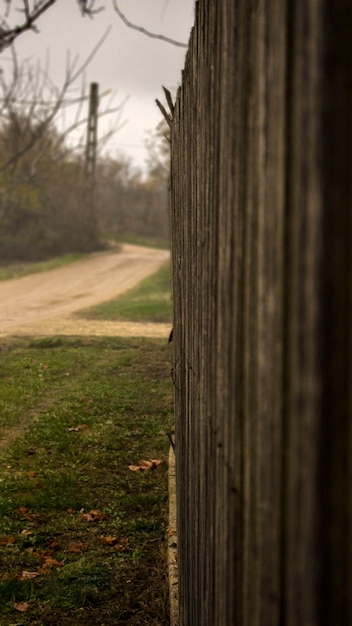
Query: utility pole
x,y
92,134
90,166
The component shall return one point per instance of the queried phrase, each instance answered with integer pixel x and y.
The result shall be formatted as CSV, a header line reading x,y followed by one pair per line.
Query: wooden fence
x,y
261,217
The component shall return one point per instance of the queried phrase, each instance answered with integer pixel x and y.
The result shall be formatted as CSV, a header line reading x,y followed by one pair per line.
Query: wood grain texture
x,y
260,207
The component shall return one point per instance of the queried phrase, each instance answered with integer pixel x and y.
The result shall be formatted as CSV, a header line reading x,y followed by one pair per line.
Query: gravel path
x,y
44,303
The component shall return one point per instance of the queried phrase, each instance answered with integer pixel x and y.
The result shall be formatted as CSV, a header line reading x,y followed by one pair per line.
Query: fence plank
x,y
260,205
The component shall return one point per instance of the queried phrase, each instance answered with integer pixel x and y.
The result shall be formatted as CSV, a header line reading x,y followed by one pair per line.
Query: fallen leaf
x,y
49,562
109,540
22,607
27,533
32,474
77,547
77,429
5,541
171,532
145,465
70,511
23,510
122,544
93,516
8,576
52,543
156,462
44,571
29,575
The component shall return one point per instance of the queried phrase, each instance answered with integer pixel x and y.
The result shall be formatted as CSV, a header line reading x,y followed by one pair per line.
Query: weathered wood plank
x,y
260,205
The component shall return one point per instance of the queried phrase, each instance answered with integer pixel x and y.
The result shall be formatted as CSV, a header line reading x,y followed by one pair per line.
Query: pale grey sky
x,y
129,63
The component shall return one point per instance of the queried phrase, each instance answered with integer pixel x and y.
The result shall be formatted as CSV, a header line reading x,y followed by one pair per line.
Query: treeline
x,y
46,207
129,204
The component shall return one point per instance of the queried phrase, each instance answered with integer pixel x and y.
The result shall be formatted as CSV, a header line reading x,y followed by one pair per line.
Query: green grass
x,y
150,301
117,395
16,270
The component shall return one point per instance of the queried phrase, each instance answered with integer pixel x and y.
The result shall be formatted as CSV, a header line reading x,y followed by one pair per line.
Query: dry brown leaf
x,y
49,562
29,575
77,429
77,547
32,474
22,607
71,511
93,516
39,554
27,533
134,468
109,540
122,544
156,462
8,576
5,541
23,510
145,465
171,532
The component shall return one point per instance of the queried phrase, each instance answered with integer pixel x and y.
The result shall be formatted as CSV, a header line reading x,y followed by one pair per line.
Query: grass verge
x,y
82,536
150,301
16,270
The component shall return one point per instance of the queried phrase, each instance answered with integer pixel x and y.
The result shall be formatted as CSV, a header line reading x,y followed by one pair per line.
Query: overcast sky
x,y
129,63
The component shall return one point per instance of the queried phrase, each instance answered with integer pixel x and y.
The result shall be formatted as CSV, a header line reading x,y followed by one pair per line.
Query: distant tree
x,y
158,153
130,203
33,153
37,167
28,92
41,209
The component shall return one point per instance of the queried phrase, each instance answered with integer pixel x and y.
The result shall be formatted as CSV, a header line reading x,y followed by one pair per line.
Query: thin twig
x,y
144,31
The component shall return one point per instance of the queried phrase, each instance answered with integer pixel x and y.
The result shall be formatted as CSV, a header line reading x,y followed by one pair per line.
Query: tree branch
x,y
31,14
33,9
32,117
143,30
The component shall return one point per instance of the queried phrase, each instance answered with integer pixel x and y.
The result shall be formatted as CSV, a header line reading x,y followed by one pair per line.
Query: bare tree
x,y
31,11
34,152
40,188
30,101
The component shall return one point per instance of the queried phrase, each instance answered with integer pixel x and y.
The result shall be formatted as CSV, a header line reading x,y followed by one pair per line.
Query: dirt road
x,y
43,304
